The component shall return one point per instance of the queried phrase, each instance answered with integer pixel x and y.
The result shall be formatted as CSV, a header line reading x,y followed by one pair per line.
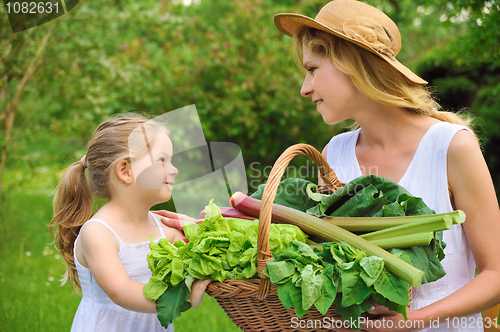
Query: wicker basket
x,y
253,304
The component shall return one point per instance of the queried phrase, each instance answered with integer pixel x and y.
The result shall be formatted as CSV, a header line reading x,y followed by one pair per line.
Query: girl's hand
x,y
197,290
174,220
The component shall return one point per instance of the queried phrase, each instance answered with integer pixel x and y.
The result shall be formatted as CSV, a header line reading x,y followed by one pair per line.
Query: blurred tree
x,y
17,67
466,73
225,56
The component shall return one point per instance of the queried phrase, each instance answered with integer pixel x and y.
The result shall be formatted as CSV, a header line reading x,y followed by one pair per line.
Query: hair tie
x,y
83,161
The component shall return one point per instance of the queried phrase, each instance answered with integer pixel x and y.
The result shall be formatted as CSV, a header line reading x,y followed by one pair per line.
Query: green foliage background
x,y
224,56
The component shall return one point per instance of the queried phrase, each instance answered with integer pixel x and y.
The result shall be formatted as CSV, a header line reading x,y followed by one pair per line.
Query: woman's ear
x,y
124,171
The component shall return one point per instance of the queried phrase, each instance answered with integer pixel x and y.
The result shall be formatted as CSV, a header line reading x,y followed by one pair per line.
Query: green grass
x,y
31,298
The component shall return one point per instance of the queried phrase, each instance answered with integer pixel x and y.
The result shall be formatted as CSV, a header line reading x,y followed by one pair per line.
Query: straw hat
x,y
357,22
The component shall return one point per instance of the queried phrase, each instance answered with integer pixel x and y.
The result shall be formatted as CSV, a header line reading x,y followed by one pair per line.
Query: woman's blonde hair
x,y
112,141
373,76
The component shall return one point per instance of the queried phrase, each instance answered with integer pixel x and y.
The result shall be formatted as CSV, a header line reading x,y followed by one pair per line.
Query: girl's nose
x,y
306,89
173,170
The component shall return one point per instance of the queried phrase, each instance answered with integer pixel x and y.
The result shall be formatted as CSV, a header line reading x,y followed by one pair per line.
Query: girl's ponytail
x,y
72,207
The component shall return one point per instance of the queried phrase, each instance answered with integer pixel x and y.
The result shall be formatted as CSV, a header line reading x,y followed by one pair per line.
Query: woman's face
x,y
329,88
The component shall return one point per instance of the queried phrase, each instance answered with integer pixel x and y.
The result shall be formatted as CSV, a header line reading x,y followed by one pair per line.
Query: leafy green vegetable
x,y
291,192
338,274
172,303
370,196
217,249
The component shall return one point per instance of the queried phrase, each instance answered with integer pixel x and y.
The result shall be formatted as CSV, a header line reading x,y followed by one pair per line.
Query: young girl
x,y
349,53
105,253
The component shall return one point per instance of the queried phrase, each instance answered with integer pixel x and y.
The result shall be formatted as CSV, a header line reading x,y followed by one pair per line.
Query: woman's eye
x,y
311,70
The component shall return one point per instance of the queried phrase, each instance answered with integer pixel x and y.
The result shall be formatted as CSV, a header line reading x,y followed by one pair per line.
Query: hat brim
x,y
289,23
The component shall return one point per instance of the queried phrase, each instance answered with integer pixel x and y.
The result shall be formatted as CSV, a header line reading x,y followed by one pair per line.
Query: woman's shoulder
x,y
462,144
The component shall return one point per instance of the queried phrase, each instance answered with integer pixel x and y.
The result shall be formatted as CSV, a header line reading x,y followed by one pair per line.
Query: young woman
x,y
349,53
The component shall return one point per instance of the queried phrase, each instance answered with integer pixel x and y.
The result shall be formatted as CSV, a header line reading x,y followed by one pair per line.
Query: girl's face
x,y
329,88
155,170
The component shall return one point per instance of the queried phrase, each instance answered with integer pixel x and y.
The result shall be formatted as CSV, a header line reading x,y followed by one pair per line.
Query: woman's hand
x,y
197,290
387,320
174,220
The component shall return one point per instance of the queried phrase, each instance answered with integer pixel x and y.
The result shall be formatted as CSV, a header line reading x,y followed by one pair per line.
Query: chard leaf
x,y
172,303
311,287
305,250
365,196
291,192
296,295
329,291
424,259
277,271
438,245
313,192
392,288
352,313
284,294
354,288
371,268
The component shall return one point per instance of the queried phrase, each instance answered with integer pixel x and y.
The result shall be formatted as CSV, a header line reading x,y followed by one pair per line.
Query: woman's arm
x,y
473,192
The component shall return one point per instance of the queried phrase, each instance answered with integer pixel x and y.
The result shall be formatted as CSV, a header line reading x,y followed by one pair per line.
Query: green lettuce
x,y
218,249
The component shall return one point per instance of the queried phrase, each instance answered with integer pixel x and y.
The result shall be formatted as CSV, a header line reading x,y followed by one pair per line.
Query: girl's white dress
x,y
97,312
426,177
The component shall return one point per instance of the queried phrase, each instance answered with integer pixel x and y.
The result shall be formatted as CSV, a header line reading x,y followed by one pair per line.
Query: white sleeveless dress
x,y
97,312
426,177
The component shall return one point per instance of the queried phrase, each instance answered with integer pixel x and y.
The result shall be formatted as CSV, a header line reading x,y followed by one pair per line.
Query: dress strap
x,y
158,224
108,227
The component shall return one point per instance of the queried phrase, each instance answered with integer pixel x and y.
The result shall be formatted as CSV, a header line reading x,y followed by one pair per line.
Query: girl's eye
x,y
162,159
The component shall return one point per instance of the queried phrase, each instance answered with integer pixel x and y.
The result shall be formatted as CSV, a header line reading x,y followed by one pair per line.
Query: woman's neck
x,y
384,127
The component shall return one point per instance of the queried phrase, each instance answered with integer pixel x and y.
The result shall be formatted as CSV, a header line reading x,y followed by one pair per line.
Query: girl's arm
x,y
99,249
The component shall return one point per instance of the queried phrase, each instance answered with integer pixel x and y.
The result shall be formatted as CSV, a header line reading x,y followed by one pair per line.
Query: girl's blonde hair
x,y
373,76
112,141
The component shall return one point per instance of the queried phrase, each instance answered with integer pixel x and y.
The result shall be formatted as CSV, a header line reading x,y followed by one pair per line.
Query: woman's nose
x,y
306,89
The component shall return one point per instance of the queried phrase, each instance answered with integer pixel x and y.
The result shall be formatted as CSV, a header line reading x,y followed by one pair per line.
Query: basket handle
x,y
270,191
